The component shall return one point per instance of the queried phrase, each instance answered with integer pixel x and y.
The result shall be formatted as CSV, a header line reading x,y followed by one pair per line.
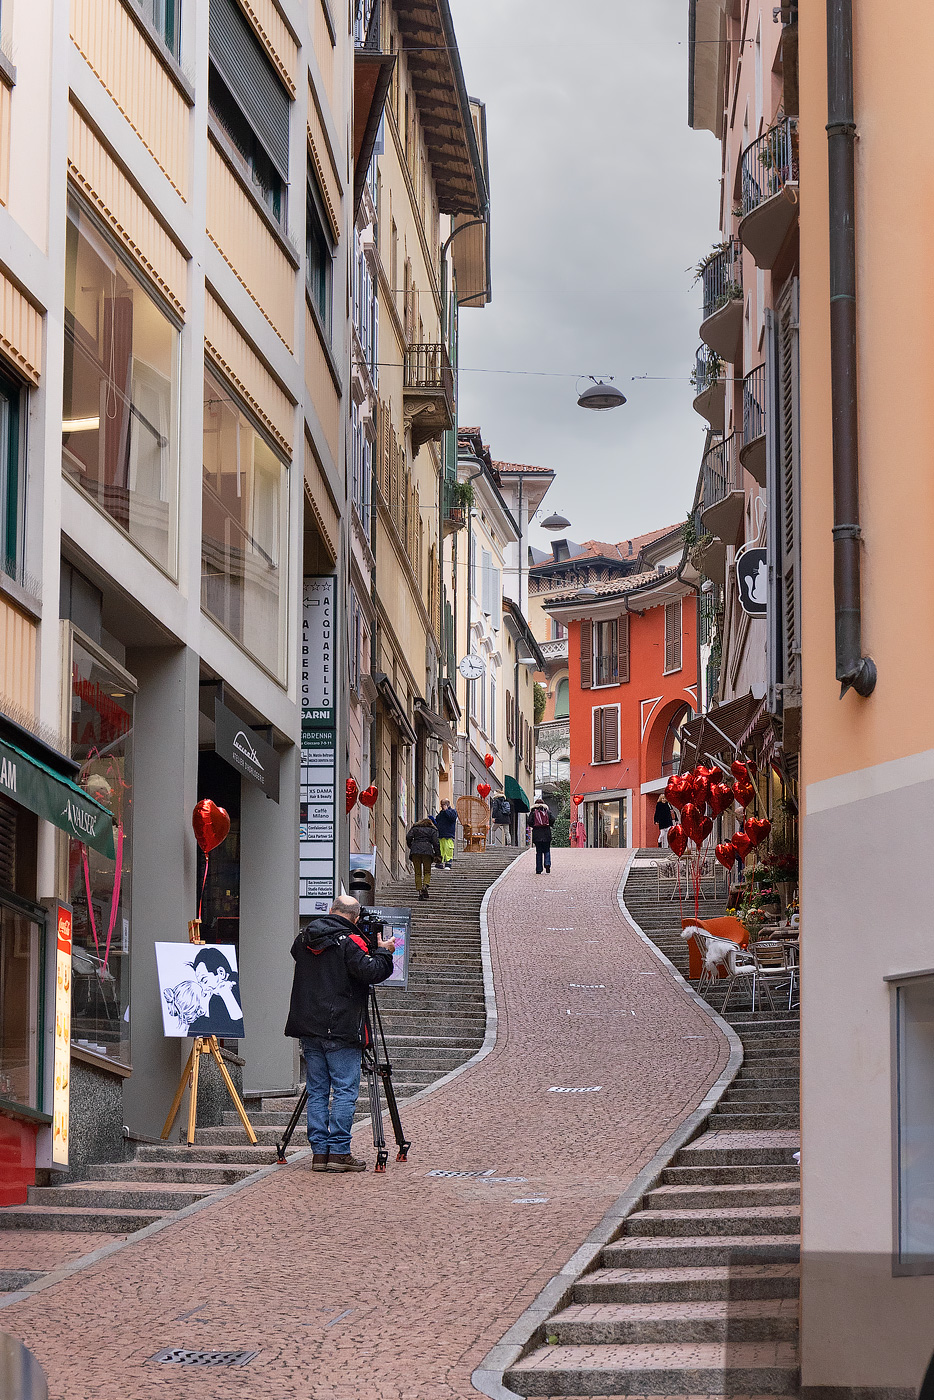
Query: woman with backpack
x,y
424,846
541,836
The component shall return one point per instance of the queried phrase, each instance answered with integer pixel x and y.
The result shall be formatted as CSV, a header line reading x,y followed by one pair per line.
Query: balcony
x,y
454,512
428,393
752,451
722,278
710,388
555,650
724,498
770,191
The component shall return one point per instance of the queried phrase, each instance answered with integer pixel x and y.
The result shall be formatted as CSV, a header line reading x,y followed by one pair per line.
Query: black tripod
x,y
376,1067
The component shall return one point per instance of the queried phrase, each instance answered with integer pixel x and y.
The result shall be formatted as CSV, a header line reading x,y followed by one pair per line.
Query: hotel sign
x,y
318,776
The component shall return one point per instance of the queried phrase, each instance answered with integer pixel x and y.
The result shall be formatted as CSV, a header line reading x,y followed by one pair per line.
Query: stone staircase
x,y
698,1295
433,1026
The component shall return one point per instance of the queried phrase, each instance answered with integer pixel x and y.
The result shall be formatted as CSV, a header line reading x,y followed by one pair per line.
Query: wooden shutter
x,y
509,719
610,733
789,470
586,654
613,670
623,676
598,735
673,636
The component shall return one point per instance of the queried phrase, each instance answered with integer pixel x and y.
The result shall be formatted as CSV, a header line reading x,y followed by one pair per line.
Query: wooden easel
x,y
203,1045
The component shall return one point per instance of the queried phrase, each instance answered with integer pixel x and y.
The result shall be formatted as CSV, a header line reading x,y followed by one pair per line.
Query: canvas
x,y
199,989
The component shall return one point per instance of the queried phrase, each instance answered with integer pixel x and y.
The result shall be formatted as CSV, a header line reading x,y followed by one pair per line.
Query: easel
x,y
203,1045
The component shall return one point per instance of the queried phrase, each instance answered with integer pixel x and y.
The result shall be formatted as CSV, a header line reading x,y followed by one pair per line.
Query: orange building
x,y
632,649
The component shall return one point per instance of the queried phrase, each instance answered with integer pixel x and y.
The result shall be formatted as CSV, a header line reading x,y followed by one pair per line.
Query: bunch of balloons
x,y
702,795
367,797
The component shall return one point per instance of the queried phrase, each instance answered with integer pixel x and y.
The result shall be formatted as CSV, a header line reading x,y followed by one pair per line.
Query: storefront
x,y
606,818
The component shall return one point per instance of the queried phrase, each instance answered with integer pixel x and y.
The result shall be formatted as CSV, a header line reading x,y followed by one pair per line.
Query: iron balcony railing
x,y
722,277
366,25
428,367
754,405
708,367
721,471
770,163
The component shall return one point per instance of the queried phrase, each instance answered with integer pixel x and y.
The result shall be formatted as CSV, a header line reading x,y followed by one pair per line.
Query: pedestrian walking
x,y
541,837
663,819
334,970
501,815
424,845
446,822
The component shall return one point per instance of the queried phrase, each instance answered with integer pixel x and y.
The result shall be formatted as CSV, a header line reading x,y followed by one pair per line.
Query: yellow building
x,y
867,1008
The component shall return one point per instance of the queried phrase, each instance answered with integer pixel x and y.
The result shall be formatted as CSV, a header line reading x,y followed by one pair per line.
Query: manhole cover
x,y
181,1356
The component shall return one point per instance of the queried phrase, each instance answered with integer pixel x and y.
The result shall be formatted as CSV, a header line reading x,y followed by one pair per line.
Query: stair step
x,y
108,1195
725,1220
672,1368
723,1118
13,1279
701,1320
261,1156
623,1285
700,1251
729,1176
723,1148
208,1174
695,1197
91,1221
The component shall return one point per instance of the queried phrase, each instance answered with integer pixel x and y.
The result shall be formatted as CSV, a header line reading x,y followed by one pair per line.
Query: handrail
x,y
754,405
720,468
722,277
708,369
428,367
769,163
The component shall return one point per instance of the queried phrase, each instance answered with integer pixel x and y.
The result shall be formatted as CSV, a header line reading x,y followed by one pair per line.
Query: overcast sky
x,y
601,199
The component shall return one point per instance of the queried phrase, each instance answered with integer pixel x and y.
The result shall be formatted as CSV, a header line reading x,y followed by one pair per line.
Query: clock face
x,y
472,667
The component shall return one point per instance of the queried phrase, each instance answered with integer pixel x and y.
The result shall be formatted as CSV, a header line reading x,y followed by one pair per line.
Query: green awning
x,y
56,799
515,794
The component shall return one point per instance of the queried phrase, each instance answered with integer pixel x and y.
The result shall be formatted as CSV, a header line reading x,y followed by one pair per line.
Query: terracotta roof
x,y
613,587
521,467
625,551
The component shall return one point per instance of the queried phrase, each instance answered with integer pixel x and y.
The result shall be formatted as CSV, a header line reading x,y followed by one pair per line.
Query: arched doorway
x,y
671,744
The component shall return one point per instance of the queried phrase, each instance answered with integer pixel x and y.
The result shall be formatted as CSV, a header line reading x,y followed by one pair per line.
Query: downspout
x,y
854,671
515,737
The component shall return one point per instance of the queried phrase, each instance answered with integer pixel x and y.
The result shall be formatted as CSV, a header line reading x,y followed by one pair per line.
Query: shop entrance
x,y
606,823
220,908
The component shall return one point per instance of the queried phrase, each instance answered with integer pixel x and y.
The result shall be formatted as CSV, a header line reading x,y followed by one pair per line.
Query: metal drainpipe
x,y
515,737
854,671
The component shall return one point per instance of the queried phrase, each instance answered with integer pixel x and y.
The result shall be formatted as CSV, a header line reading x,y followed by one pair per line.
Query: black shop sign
x,y
244,750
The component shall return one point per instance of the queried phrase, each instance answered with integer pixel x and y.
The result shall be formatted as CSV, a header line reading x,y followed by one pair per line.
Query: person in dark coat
x,y
541,824
424,846
663,819
334,970
446,822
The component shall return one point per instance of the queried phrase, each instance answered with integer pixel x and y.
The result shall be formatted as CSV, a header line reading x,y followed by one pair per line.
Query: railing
x,y
708,367
722,277
721,472
366,25
769,163
455,515
754,405
428,367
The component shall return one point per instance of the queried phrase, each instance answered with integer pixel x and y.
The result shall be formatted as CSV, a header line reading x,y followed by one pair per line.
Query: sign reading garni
x,y
752,576
247,752
317,795
56,799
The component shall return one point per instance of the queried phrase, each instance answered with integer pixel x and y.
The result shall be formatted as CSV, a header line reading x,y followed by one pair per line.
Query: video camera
x,y
371,928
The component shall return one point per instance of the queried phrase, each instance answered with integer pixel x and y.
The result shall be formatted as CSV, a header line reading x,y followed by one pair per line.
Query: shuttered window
x,y
586,654
623,671
606,734
788,470
249,101
606,652
673,636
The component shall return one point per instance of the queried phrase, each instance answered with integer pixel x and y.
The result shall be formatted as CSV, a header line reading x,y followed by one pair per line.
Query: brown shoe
x,y
344,1162
319,1162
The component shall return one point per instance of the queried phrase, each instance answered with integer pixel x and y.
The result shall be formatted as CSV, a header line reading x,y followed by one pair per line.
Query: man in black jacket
x,y
334,970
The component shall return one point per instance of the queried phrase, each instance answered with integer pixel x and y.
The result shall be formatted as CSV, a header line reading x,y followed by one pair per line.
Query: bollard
x,y
21,1376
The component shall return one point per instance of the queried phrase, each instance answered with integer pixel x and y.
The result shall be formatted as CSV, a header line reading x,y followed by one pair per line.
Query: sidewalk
x,y
395,1287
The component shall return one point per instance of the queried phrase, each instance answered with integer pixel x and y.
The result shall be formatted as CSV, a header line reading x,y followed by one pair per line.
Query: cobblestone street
x,y
394,1287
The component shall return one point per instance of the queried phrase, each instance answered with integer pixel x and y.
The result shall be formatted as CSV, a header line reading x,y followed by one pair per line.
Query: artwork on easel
x,y
199,989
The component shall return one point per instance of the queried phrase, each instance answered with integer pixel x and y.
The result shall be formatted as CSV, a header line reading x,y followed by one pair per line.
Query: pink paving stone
x,y
47,1249
389,1287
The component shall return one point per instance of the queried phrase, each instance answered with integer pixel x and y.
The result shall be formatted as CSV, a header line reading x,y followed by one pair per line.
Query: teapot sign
x,y
752,574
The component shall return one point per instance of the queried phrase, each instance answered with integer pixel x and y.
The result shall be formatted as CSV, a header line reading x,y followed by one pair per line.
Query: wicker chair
x,y
474,815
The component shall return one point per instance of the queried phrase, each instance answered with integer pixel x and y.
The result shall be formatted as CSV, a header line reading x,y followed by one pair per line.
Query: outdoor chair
x,y
775,962
474,815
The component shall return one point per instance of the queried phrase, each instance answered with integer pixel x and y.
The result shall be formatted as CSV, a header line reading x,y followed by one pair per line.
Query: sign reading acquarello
x,y
247,752
752,577
318,650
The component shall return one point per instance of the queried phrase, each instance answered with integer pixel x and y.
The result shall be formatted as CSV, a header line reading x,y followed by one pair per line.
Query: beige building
x,y
176,190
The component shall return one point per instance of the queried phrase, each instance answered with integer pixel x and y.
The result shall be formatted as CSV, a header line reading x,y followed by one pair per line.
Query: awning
x,y
434,723
719,731
395,707
515,794
55,798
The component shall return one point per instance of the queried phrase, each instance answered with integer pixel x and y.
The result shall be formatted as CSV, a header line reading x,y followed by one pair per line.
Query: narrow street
x,y
395,1287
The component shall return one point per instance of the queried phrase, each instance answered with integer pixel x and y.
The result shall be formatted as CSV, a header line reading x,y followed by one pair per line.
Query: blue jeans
x,y
542,853
332,1072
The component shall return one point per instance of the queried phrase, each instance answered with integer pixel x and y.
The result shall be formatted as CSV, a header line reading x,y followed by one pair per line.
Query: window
x,y
914,1027
605,652
492,729
510,719
120,397
163,16
248,100
558,631
671,744
244,519
102,712
319,261
19,1007
11,477
357,643
360,468
562,699
673,636
606,734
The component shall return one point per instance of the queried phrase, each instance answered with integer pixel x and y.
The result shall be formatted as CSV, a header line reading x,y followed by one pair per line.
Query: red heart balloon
x,y
577,799
351,793
369,796
739,770
744,793
489,760
484,790
704,828
690,819
719,797
741,843
678,789
757,829
677,839
210,824
725,853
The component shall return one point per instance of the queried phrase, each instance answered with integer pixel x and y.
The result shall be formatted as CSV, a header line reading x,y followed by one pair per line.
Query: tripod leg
x,y
401,1141
282,1146
376,1115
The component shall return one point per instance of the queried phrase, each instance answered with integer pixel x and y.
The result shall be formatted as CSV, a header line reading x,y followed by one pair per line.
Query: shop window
x,y
562,699
102,707
244,509
19,1008
11,476
120,400
247,99
673,636
914,1018
319,256
607,823
606,734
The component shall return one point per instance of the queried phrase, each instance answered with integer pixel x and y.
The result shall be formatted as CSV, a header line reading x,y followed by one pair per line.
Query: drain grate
x,y
591,1089
181,1356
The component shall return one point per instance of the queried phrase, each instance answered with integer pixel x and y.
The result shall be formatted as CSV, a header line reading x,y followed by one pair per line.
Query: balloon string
x,y
87,890
203,883
115,900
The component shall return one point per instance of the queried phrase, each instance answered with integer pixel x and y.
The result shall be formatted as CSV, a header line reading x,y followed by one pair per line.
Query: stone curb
x,y
224,1192
488,1377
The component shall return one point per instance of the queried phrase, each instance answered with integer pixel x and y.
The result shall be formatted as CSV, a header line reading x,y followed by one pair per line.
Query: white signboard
x,y
318,810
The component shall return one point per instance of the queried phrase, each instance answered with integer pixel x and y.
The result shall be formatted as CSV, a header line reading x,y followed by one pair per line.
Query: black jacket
x,y
663,817
422,839
333,972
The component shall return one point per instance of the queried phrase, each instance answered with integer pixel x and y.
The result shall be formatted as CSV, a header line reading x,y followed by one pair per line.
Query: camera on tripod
x,y
370,927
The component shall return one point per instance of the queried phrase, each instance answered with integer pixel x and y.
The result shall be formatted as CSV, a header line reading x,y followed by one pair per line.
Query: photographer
x,y
334,969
